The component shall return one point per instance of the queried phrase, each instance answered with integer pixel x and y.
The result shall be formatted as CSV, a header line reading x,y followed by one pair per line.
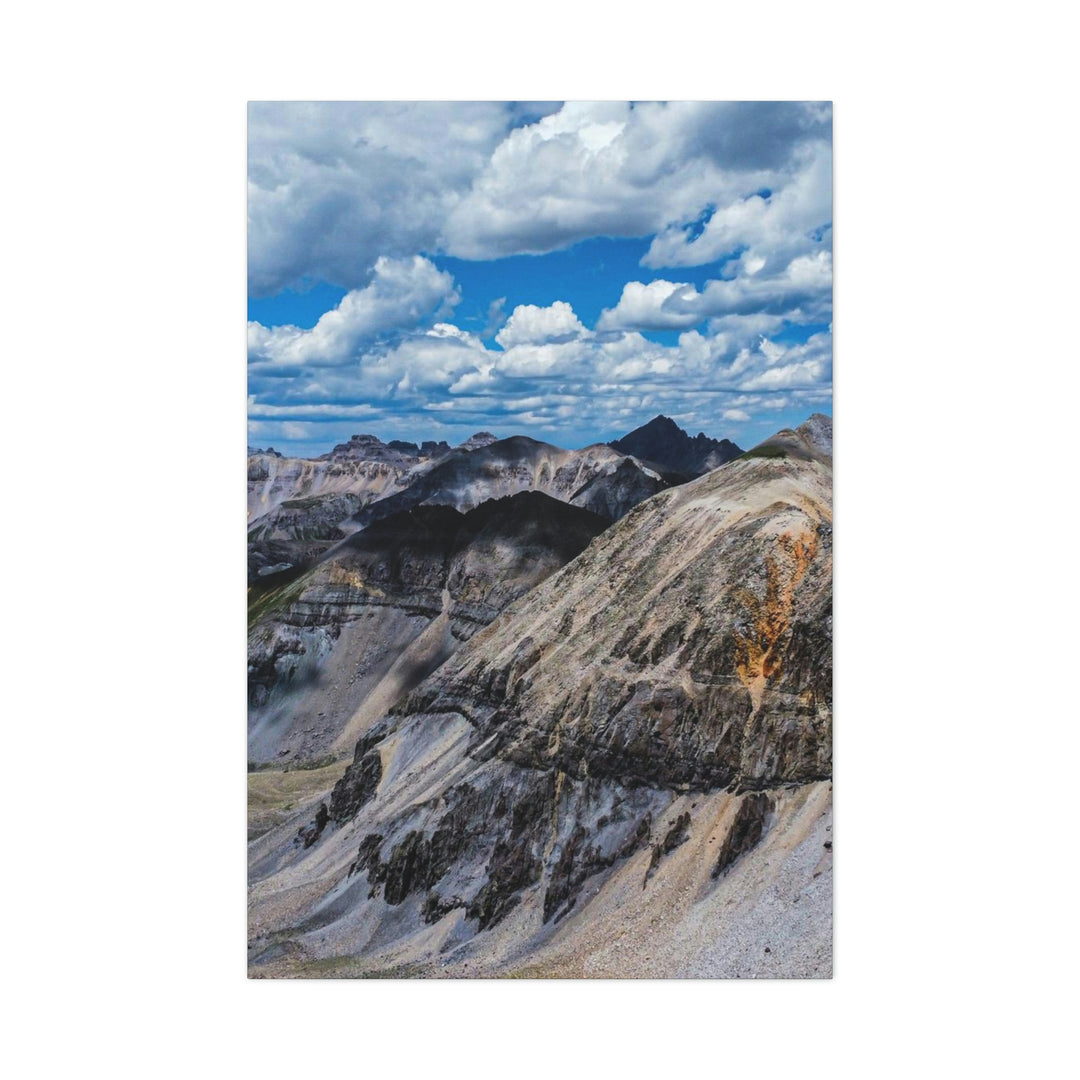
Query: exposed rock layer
x,y
339,644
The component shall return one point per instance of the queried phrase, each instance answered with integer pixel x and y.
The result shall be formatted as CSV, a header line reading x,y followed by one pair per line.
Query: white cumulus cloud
x,y
402,294
334,185
532,325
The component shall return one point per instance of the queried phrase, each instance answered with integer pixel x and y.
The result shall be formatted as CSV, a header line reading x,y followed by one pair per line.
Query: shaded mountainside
x,y
662,441
613,494
297,507
625,773
464,479
330,649
298,510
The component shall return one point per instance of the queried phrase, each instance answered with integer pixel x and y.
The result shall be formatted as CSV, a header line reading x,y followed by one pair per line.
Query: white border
x,y
125,279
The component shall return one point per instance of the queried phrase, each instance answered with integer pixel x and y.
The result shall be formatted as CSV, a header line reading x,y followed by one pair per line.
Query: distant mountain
x,y
597,477
334,648
663,442
298,509
479,440
811,440
371,448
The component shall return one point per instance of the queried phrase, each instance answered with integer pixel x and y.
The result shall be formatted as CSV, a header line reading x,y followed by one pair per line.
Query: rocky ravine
x,y
335,648
626,773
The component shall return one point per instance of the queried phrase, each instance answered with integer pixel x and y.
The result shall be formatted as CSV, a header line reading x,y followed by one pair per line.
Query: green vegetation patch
x,y
263,600
766,451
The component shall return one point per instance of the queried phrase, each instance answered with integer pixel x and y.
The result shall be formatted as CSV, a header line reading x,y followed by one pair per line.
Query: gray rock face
x,y
810,441
614,494
628,766
298,509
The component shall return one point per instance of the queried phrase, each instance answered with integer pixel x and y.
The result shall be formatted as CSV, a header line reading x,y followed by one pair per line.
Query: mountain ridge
x,y
632,753
298,508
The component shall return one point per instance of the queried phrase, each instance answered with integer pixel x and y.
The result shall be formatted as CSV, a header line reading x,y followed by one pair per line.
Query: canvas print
x,y
539,539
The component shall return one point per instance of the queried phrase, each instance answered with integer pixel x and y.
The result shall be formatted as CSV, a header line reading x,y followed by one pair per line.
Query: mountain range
x,y
299,508
519,710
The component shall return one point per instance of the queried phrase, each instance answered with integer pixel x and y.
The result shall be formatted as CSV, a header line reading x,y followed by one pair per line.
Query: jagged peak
x,y
817,429
479,440
371,446
661,440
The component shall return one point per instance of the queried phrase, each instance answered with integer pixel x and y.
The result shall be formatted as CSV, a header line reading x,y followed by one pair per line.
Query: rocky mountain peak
x,y
818,430
662,441
660,422
372,448
478,441
811,440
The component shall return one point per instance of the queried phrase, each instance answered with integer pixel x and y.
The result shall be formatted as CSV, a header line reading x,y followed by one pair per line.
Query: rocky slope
x,y
664,443
337,646
297,507
626,773
362,468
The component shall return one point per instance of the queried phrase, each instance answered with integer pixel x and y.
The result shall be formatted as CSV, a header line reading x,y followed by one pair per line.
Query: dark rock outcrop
x,y
678,833
309,834
750,825
360,782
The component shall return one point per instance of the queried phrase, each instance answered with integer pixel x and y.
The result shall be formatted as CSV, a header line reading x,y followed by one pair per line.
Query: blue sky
x,y
565,271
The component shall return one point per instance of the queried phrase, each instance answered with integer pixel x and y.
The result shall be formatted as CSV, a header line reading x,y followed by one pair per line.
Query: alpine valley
x,y
518,710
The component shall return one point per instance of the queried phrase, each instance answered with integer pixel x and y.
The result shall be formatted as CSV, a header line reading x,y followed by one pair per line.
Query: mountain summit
x,y
662,441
